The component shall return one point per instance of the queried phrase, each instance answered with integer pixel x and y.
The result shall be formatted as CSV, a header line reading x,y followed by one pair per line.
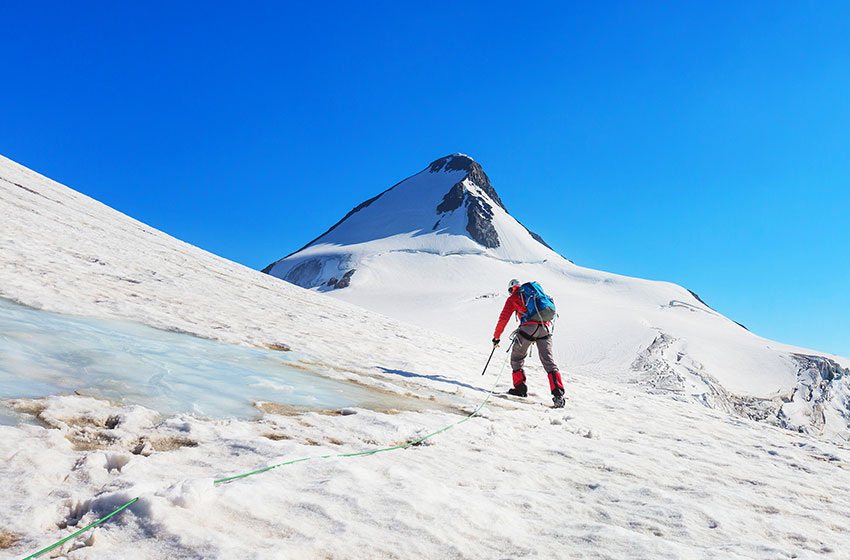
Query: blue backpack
x,y
540,308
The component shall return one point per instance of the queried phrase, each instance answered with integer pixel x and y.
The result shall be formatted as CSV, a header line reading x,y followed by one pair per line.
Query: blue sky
x,y
706,144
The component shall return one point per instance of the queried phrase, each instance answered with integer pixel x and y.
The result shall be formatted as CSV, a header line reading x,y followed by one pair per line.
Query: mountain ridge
x,y
471,190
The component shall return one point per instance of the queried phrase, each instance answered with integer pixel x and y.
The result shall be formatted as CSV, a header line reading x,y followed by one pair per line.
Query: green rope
x,y
258,471
374,451
68,538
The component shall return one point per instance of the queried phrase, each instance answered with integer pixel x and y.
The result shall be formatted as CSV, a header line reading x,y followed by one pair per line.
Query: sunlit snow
x,y
619,473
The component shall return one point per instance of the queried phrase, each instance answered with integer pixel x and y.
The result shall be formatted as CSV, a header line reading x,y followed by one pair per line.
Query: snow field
x,y
616,474
658,334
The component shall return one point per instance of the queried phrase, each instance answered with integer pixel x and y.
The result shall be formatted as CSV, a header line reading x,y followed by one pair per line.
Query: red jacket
x,y
513,305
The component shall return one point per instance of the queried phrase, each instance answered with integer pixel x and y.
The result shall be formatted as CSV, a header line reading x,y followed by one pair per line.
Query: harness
x,y
531,337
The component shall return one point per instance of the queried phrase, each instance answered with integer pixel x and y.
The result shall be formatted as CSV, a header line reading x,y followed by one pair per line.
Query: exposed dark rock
x,y
480,223
345,281
452,199
459,163
477,176
475,173
332,282
479,213
437,166
451,163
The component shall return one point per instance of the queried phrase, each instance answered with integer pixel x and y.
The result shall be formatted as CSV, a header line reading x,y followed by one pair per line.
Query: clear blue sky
x,y
707,144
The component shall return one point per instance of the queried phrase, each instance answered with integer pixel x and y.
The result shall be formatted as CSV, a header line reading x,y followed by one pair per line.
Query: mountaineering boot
x,y
557,387
557,398
518,378
520,390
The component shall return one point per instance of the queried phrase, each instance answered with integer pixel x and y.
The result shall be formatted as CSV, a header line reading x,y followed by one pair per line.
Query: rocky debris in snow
x,y
7,539
345,281
170,443
278,347
97,425
143,448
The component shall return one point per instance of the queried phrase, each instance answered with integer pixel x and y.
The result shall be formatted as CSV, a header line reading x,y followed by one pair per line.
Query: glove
x,y
496,342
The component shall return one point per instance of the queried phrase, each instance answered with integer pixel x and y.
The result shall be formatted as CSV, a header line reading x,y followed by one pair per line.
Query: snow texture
x,y
619,473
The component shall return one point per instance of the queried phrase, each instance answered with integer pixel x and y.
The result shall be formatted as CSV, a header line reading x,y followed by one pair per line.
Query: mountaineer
x,y
535,311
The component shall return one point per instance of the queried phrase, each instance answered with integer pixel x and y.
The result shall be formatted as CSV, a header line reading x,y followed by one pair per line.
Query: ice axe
x,y
488,359
513,339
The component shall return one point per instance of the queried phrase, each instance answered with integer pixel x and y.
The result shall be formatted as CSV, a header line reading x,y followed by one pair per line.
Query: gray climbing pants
x,y
542,337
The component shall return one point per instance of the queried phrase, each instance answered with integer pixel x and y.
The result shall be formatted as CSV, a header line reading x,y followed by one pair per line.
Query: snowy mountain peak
x,y
454,162
474,174
449,208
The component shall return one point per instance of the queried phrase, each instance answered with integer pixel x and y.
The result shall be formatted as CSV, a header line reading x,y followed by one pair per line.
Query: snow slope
x,y
410,255
619,473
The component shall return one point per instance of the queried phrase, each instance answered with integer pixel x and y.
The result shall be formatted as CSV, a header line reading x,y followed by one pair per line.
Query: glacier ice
x,y
44,353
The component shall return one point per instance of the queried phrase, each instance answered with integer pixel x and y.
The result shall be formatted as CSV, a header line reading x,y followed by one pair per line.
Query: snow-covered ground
x,y
618,473
438,249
